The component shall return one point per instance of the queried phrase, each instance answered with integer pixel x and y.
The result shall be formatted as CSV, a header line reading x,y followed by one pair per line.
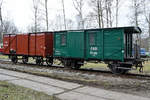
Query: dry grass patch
x,y
12,92
147,67
3,57
95,65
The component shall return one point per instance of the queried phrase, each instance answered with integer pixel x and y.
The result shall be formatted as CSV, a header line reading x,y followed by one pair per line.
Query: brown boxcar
x,y
37,45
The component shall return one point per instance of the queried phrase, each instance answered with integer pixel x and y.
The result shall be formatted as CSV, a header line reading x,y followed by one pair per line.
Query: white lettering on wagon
x,y
5,44
94,51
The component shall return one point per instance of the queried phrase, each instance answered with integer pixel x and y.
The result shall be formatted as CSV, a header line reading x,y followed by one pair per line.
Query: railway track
x,y
82,70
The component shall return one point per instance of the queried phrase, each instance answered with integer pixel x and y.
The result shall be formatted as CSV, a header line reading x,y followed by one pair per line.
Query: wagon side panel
x,y
32,43
13,43
22,44
60,44
113,44
75,42
94,44
48,44
40,44
6,44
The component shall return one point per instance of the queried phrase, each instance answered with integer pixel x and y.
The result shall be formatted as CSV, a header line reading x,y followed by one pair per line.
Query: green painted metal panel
x,y
60,44
75,41
69,44
113,44
94,44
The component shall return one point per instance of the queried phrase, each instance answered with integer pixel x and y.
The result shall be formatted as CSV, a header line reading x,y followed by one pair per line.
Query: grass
x,y
94,65
146,67
3,57
12,92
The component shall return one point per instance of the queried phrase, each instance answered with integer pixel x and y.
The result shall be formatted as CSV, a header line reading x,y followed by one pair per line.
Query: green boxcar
x,y
101,44
114,46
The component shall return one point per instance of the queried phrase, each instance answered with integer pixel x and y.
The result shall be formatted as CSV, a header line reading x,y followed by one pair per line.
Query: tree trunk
x,y
110,14
106,7
46,11
1,19
117,3
64,14
136,13
99,15
149,24
35,16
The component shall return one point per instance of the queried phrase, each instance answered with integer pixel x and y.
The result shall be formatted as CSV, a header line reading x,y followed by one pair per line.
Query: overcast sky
x,y
20,11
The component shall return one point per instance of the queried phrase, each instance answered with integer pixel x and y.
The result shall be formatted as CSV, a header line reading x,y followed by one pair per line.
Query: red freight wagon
x,y
36,45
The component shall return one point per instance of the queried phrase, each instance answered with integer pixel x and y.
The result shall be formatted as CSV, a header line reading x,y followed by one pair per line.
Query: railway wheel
x,y
115,70
49,61
67,63
75,65
14,59
39,61
24,59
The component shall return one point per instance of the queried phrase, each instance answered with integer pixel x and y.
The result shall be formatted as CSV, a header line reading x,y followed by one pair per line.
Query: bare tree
x,y
63,5
106,7
117,8
69,24
118,3
91,21
148,21
108,10
78,5
100,13
98,8
9,27
57,23
136,14
103,11
137,11
46,12
1,20
147,13
36,12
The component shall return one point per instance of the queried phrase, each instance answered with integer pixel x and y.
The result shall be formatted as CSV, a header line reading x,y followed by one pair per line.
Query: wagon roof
x,y
130,29
47,32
